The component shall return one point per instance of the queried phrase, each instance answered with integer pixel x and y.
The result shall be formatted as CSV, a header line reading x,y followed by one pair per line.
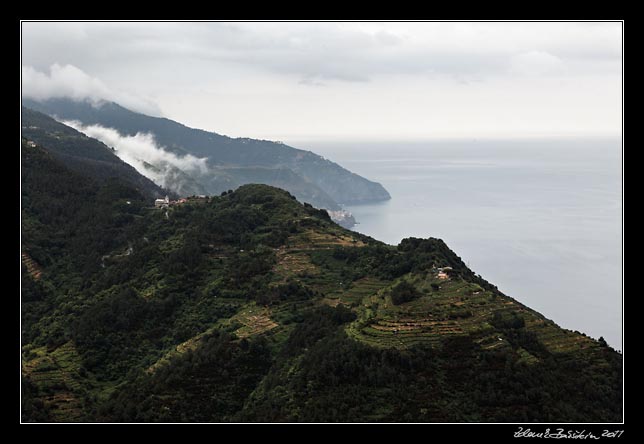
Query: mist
x,y
68,81
141,151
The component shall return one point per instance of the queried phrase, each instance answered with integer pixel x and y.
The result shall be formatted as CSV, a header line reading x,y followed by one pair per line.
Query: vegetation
x,y
83,154
249,306
403,292
234,162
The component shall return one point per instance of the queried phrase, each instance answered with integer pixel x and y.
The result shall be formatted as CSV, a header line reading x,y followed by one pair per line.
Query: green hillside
x,y
238,161
81,153
250,306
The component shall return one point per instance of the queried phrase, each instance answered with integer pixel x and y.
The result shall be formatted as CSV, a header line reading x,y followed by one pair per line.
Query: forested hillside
x,y
231,161
81,153
250,306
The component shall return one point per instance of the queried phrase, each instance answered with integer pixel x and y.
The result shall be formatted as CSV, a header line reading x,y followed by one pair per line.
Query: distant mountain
x,y
252,307
312,179
81,153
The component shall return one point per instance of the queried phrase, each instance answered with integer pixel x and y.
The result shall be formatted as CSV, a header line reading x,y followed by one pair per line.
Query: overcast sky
x,y
342,81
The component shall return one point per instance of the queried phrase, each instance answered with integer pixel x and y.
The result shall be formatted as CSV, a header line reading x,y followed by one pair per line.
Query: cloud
x,y
387,38
63,81
311,52
145,155
68,81
313,79
536,63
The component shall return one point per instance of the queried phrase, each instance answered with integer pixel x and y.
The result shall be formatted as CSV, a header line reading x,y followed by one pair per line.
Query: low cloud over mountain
x,y
143,153
68,81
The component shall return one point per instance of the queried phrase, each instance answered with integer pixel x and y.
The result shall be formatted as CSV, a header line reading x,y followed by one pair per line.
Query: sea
x,y
542,218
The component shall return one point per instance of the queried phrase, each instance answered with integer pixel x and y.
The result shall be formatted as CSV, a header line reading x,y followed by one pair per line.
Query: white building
x,y
162,203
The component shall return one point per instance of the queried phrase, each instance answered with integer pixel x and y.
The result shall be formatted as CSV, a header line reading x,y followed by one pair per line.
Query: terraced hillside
x,y
455,307
32,266
249,306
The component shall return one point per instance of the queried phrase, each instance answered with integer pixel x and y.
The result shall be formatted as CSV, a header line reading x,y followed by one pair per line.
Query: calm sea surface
x,y
542,219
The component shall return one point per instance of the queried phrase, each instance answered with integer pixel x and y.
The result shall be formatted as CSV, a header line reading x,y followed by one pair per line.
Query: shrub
x,y
403,292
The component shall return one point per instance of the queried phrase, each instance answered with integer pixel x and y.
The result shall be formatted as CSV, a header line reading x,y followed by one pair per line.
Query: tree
x,y
403,292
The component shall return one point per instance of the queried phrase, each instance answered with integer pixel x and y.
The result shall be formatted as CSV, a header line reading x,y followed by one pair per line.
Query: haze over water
x,y
541,219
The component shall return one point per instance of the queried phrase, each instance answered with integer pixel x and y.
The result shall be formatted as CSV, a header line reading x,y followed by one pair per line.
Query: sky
x,y
341,81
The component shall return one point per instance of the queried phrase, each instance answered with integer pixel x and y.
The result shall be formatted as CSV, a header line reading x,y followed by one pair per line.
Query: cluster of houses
x,y
443,273
165,203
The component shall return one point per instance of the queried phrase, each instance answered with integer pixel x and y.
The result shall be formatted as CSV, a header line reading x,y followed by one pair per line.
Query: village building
x,y
162,203
443,273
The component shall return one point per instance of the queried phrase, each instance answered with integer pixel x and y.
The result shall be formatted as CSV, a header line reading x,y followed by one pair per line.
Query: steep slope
x,y
324,178
81,153
253,307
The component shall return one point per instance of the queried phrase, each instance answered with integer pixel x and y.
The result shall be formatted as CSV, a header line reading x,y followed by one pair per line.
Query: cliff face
x,y
250,306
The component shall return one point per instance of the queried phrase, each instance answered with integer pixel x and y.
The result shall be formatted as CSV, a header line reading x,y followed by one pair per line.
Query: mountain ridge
x,y
325,183
253,307
81,153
